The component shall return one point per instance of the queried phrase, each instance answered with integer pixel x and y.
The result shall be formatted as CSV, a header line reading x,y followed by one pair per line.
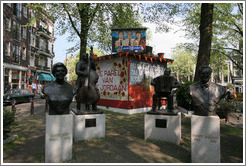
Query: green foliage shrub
x,y
8,120
183,98
224,107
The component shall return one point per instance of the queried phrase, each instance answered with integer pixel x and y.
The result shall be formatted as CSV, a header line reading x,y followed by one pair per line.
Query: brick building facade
x,y
27,50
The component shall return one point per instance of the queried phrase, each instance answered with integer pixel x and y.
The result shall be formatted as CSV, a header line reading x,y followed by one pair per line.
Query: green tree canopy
x,y
71,62
91,23
183,65
227,25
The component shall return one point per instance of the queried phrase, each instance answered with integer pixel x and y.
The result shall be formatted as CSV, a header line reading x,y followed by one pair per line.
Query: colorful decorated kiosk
x,y
125,75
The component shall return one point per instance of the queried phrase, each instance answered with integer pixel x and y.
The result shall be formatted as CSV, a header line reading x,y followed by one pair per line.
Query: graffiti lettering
x,y
113,88
108,80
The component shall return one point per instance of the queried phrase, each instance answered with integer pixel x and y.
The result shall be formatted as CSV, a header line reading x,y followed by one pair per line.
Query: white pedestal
x,y
205,139
88,126
163,127
58,138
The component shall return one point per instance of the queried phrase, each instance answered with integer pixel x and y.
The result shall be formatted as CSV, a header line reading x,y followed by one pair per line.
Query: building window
x,y
6,76
23,79
43,24
23,53
50,29
41,61
24,32
7,49
43,44
225,78
7,24
16,30
15,53
33,39
16,10
32,19
32,14
48,62
24,10
15,79
32,60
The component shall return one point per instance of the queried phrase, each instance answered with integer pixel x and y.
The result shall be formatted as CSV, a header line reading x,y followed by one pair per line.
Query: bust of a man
x,y
205,94
59,93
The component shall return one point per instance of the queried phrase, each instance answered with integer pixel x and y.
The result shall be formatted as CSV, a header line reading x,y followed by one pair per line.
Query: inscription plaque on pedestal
x,y
90,122
205,139
161,123
58,138
163,127
88,126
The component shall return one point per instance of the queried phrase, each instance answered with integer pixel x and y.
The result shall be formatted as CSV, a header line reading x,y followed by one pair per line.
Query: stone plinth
x,y
205,139
58,138
163,127
88,126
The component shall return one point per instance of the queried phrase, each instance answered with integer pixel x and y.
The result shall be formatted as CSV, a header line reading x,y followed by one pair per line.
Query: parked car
x,y
18,96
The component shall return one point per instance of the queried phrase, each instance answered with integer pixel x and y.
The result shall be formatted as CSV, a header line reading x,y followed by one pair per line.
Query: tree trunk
x,y
84,26
205,36
83,44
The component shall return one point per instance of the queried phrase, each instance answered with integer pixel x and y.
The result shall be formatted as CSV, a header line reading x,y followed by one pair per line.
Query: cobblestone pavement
x,y
24,109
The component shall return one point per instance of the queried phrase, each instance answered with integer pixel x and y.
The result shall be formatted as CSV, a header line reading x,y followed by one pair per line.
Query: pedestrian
x,y
7,87
34,87
40,87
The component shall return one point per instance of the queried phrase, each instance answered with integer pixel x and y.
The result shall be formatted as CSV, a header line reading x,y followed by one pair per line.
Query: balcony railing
x,y
40,67
43,31
45,52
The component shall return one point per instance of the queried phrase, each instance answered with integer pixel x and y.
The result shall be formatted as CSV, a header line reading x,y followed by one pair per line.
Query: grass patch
x,y
124,142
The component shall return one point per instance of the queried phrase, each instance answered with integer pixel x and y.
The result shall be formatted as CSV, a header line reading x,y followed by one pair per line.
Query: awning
x,y
46,77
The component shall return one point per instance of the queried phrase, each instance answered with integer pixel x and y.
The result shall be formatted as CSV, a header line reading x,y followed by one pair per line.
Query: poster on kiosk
x,y
130,39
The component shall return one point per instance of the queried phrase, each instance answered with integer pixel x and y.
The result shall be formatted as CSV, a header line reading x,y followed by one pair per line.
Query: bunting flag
x,y
100,59
109,57
155,59
151,59
120,54
127,53
171,62
165,60
134,56
146,58
160,60
139,56
103,58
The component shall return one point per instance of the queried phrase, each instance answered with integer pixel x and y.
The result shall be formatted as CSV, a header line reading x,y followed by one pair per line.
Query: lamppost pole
x,y
66,59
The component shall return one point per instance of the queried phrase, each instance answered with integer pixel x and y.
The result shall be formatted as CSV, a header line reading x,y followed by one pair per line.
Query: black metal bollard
x,y
13,106
46,105
32,107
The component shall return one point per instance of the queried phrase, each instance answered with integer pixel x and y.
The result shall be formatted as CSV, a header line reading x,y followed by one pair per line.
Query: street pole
x,y
32,107
66,59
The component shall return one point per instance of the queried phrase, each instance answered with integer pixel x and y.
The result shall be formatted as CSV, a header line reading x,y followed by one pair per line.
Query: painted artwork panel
x,y
113,79
129,40
140,88
141,70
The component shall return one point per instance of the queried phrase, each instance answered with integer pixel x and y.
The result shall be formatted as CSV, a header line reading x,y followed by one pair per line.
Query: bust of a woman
x,y
59,93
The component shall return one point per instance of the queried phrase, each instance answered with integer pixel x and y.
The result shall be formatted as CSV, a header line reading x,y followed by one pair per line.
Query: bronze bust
x,y
59,94
205,94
